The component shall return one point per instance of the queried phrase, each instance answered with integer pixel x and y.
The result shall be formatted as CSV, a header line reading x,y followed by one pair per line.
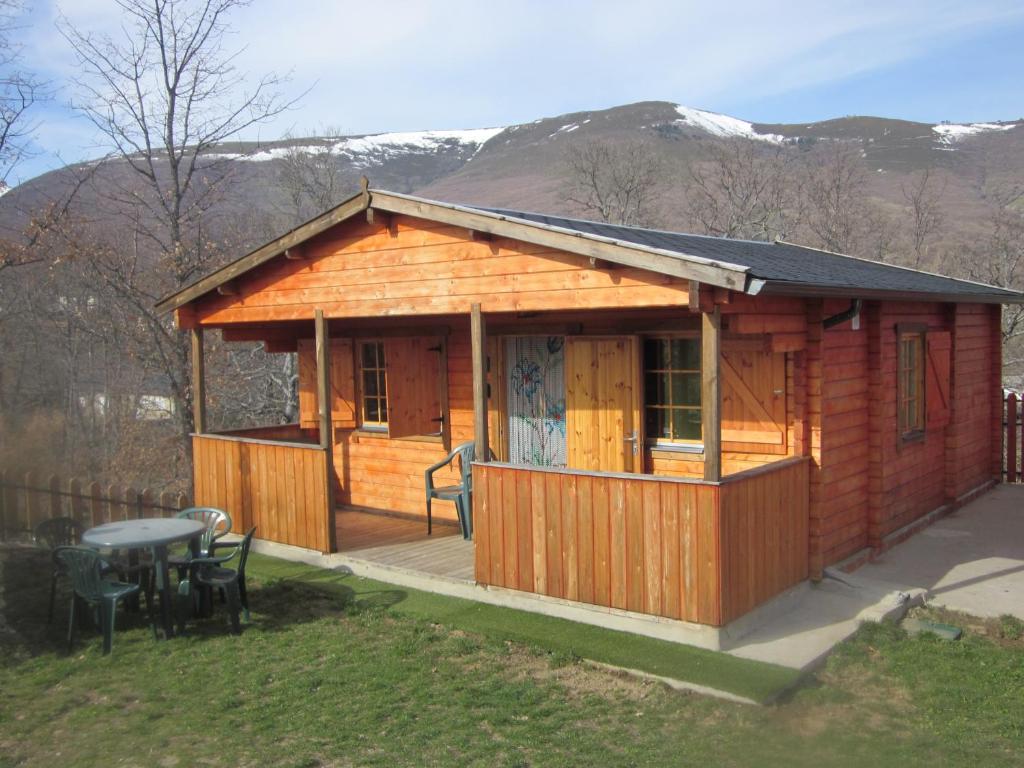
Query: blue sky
x,y
406,65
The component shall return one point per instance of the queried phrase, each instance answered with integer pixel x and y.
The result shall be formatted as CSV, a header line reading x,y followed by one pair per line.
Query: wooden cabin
x,y
677,425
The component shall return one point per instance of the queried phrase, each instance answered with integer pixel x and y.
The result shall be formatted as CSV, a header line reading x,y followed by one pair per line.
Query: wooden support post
x,y
77,501
95,504
33,502
996,339
711,393
113,514
198,383
146,502
1011,438
3,504
478,332
56,500
693,296
323,394
167,502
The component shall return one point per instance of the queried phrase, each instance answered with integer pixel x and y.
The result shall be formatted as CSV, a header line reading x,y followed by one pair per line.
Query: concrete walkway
x,y
970,561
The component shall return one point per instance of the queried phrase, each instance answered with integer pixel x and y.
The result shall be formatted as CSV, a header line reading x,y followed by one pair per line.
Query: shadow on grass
x,y
277,605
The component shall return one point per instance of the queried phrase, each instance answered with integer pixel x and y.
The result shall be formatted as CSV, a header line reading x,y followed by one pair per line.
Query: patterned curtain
x,y
536,400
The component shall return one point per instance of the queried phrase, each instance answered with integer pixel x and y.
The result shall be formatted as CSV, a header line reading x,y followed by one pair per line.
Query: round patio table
x,y
153,534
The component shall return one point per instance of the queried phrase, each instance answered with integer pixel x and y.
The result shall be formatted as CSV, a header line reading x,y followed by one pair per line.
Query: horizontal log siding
x,y
424,268
639,544
842,527
913,473
377,472
281,489
764,521
976,395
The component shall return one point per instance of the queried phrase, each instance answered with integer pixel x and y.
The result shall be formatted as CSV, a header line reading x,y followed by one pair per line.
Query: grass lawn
x,y
338,671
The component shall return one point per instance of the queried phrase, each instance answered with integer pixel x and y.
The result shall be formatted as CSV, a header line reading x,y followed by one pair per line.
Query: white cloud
x,y
401,65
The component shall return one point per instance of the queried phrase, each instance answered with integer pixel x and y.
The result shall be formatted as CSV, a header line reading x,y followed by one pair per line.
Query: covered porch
x,y
640,425
700,534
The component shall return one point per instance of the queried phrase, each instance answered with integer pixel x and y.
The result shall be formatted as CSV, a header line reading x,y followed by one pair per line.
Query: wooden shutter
x,y
753,399
343,405
936,397
414,386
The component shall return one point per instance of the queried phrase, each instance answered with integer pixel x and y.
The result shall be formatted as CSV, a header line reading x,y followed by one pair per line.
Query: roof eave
x,y
786,288
266,252
720,274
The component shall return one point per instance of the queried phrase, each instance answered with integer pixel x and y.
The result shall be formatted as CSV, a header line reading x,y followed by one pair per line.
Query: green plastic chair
x,y
52,534
460,494
209,573
218,523
83,566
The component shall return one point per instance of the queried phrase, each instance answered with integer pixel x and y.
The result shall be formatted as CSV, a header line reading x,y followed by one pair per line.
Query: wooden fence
x,y
1013,418
26,500
673,547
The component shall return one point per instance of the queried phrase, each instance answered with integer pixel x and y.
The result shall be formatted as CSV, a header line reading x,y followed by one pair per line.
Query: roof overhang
x,y
720,274
812,290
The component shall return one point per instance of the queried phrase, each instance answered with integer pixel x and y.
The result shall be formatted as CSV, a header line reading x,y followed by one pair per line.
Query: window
x,y
672,389
910,381
373,394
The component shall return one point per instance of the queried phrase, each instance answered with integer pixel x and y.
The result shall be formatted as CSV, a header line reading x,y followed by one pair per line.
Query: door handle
x,y
633,438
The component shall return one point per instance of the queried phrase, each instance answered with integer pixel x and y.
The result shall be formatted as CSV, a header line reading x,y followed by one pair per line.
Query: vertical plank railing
x,y
682,549
281,488
764,534
643,544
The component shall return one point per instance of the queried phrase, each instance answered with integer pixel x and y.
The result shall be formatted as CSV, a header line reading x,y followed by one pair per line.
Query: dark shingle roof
x,y
782,265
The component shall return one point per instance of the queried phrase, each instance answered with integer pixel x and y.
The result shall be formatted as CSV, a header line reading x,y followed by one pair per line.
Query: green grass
x,y
750,679
337,671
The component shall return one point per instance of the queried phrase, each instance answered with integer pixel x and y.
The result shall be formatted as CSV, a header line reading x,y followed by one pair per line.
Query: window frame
x,y
911,429
380,426
672,444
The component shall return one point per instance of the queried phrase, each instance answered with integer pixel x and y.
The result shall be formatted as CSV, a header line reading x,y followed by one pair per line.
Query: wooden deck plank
x,y
402,543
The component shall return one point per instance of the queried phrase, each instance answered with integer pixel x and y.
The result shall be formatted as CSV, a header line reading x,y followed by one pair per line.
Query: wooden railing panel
x,y
280,488
764,534
642,544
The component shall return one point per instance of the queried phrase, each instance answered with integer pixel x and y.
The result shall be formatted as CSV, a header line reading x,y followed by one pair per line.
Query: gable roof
x,y
742,265
789,268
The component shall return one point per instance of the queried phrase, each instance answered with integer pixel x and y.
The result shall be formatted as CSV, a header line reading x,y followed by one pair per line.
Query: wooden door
x,y
602,404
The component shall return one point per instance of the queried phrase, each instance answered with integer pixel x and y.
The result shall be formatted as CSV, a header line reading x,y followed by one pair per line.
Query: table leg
x,y
163,586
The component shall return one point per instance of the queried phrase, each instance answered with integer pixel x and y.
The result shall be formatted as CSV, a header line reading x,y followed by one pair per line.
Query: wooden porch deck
x,y
400,543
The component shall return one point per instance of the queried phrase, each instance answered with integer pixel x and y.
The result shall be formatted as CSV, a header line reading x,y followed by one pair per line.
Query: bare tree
x,y
835,197
923,196
998,259
313,178
745,190
164,93
616,183
19,91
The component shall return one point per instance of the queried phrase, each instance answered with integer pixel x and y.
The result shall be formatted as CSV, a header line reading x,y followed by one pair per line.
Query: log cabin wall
x,y
843,523
867,481
912,473
973,446
408,266
837,403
